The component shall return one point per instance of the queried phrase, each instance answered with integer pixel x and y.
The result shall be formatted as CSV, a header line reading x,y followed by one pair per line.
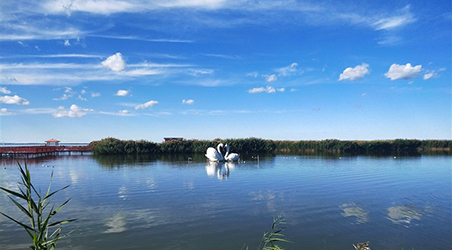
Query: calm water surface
x,y
170,203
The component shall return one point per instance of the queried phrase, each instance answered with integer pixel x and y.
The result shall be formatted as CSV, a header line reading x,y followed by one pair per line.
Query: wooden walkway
x,y
43,150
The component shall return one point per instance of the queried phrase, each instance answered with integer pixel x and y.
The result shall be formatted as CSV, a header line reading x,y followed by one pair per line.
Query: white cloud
x,y
115,62
107,7
93,95
432,73
73,111
124,112
429,75
71,73
271,78
355,73
268,89
196,72
288,70
387,23
13,100
146,105
406,72
4,90
5,111
67,43
62,98
80,97
188,102
122,92
253,74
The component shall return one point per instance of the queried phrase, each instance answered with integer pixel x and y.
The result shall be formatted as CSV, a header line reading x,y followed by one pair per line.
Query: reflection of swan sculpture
x,y
220,169
211,168
231,156
215,154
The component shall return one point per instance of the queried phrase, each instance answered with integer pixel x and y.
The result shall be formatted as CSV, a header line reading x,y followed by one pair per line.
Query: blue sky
x,y
83,70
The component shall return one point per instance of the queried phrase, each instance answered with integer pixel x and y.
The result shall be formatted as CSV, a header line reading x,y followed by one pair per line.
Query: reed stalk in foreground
x,y
35,211
270,239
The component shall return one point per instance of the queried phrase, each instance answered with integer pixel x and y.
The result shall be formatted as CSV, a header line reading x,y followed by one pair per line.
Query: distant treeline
x,y
257,145
398,146
116,146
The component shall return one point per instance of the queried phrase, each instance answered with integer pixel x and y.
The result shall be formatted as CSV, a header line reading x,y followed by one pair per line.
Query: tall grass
x,y
35,210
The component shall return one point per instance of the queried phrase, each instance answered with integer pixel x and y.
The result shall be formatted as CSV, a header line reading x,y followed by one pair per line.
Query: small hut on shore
x,y
52,142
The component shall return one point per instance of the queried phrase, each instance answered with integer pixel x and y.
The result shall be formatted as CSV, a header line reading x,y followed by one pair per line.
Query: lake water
x,y
328,202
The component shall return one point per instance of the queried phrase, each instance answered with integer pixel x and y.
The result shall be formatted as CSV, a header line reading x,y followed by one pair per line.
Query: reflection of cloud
x,y
403,214
151,183
189,184
269,197
116,224
122,192
74,176
352,210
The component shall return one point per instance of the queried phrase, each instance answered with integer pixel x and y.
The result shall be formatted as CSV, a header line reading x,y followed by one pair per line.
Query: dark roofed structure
x,y
167,139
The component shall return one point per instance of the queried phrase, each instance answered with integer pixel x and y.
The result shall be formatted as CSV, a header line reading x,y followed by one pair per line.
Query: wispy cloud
x,y
146,105
272,10
52,56
288,70
271,78
268,89
402,18
137,38
429,74
71,73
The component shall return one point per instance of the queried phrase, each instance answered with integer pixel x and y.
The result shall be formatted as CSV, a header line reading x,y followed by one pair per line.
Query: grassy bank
x,y
257,145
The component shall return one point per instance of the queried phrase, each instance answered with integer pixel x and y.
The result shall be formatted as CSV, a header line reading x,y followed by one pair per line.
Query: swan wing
x,y
233,157
212,154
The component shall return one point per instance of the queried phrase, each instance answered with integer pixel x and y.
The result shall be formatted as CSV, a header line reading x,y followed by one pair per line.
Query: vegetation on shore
x,y
257,145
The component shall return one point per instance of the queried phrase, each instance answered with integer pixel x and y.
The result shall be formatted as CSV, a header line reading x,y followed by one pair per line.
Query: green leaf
x,y
17,222
14,193
24,210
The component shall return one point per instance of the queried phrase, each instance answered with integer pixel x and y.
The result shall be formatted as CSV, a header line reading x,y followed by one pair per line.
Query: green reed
x,y
271,238
36,210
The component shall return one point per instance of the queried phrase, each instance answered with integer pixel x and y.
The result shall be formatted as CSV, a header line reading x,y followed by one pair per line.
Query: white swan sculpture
x,y
231,156
215,154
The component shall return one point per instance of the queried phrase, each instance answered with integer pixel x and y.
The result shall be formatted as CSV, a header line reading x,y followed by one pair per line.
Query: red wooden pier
x,y
43,150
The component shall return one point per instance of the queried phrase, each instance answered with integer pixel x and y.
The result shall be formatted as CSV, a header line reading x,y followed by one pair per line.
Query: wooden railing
x,y
43,149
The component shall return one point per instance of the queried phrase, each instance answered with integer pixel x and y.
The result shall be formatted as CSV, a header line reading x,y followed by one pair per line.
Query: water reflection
x,y
118,161
173,201
403,215
270,198
122,193
116,224
221,170
353,210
